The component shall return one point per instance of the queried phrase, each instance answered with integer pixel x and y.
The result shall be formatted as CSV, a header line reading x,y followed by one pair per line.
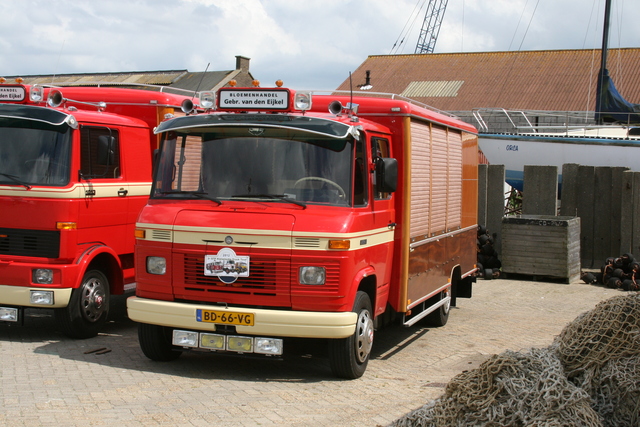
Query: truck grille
x,y
269,280
34,243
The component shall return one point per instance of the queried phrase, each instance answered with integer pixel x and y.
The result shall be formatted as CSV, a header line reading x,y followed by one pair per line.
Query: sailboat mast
x,y
603,61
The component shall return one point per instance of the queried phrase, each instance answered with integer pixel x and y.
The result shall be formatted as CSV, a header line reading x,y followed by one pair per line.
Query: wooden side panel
x,y
431,264
469,180
454,185
439,176
439,181
420,178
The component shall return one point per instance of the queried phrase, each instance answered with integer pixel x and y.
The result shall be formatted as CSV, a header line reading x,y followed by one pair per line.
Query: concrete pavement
x,y
50,380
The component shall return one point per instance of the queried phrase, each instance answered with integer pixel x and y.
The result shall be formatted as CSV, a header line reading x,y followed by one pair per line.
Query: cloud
x,y
308,44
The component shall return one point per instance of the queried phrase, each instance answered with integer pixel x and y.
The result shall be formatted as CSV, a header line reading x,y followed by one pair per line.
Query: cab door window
x,y
379,149
99,153
360,189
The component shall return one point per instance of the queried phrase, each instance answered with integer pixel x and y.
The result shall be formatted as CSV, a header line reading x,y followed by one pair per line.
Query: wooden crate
x,y
540,245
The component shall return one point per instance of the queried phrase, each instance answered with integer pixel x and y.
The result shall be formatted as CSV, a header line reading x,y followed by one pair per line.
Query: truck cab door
x,y
383,216
105,190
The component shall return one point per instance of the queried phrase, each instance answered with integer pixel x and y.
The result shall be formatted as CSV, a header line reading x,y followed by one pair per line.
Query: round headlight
x,y
156,265
312,275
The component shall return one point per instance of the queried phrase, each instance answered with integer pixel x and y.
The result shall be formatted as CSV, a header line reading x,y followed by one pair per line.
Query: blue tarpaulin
x,y
613,107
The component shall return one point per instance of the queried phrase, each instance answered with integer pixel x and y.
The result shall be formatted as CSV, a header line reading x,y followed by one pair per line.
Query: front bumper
x,y
20,296
275,323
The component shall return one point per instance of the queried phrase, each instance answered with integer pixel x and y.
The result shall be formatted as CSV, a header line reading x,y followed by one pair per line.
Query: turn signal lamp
x,y
66,225
139,233
339,244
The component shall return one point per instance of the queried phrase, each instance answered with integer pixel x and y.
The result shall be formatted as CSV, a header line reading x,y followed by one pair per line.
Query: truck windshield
x,y
34,153
255,163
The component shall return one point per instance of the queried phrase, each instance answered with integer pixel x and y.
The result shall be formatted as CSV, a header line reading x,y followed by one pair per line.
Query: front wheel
x,y
155,342
349,357
88,307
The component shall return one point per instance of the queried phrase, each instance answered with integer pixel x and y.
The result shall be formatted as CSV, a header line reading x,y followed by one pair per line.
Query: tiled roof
x,y
560,80
177,79
146,77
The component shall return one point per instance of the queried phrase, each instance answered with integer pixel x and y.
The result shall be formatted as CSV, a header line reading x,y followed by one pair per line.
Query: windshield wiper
x,y
16,180
198,194
271,196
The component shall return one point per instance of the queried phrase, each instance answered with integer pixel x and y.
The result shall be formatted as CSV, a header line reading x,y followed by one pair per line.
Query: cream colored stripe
x,y
266,238
77,191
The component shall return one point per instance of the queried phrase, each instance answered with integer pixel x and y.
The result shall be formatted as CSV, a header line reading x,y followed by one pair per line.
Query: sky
x,y
309,44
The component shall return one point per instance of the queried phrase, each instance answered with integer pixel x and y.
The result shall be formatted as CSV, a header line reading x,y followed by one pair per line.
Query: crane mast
x,y
431,26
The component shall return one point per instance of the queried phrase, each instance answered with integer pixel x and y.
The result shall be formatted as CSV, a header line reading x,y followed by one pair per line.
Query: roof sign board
x,y
12,93
254,99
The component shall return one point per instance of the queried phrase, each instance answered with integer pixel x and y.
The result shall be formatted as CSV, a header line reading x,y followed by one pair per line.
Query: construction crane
x,y
431,26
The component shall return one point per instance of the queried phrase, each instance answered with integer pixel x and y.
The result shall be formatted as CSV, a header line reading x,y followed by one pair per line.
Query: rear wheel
x,y
349,357
441,315
155,342
88,307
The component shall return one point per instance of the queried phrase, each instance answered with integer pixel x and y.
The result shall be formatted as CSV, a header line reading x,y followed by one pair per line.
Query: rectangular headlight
x,y
312,275
212,341
268,346
42,276
8,314
185,338
156,265
239,344
41,297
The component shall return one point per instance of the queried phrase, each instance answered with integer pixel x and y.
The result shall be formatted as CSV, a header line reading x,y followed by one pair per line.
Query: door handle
x,y
122,192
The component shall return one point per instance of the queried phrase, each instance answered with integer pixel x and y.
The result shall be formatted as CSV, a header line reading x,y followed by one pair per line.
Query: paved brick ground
x,y
48,380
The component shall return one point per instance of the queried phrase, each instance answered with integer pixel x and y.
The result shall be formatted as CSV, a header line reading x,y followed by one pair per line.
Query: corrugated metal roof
x,y
563,80
432,89
201,80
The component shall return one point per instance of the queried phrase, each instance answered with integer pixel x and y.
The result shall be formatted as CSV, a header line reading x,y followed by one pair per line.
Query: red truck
x,y
75,170
345,213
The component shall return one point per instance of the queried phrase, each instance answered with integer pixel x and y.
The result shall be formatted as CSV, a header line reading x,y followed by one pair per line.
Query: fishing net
x,y
589,376
600,352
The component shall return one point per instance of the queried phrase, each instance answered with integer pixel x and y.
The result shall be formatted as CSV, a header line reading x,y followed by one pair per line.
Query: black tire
x,y
88,307
441,315
155,342
349,357
488,273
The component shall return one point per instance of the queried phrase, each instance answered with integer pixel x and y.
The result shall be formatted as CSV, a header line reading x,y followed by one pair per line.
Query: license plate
x,y
224,317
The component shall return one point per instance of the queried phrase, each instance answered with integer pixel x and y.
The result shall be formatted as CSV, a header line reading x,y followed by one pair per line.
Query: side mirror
x,y
106,150
386,174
